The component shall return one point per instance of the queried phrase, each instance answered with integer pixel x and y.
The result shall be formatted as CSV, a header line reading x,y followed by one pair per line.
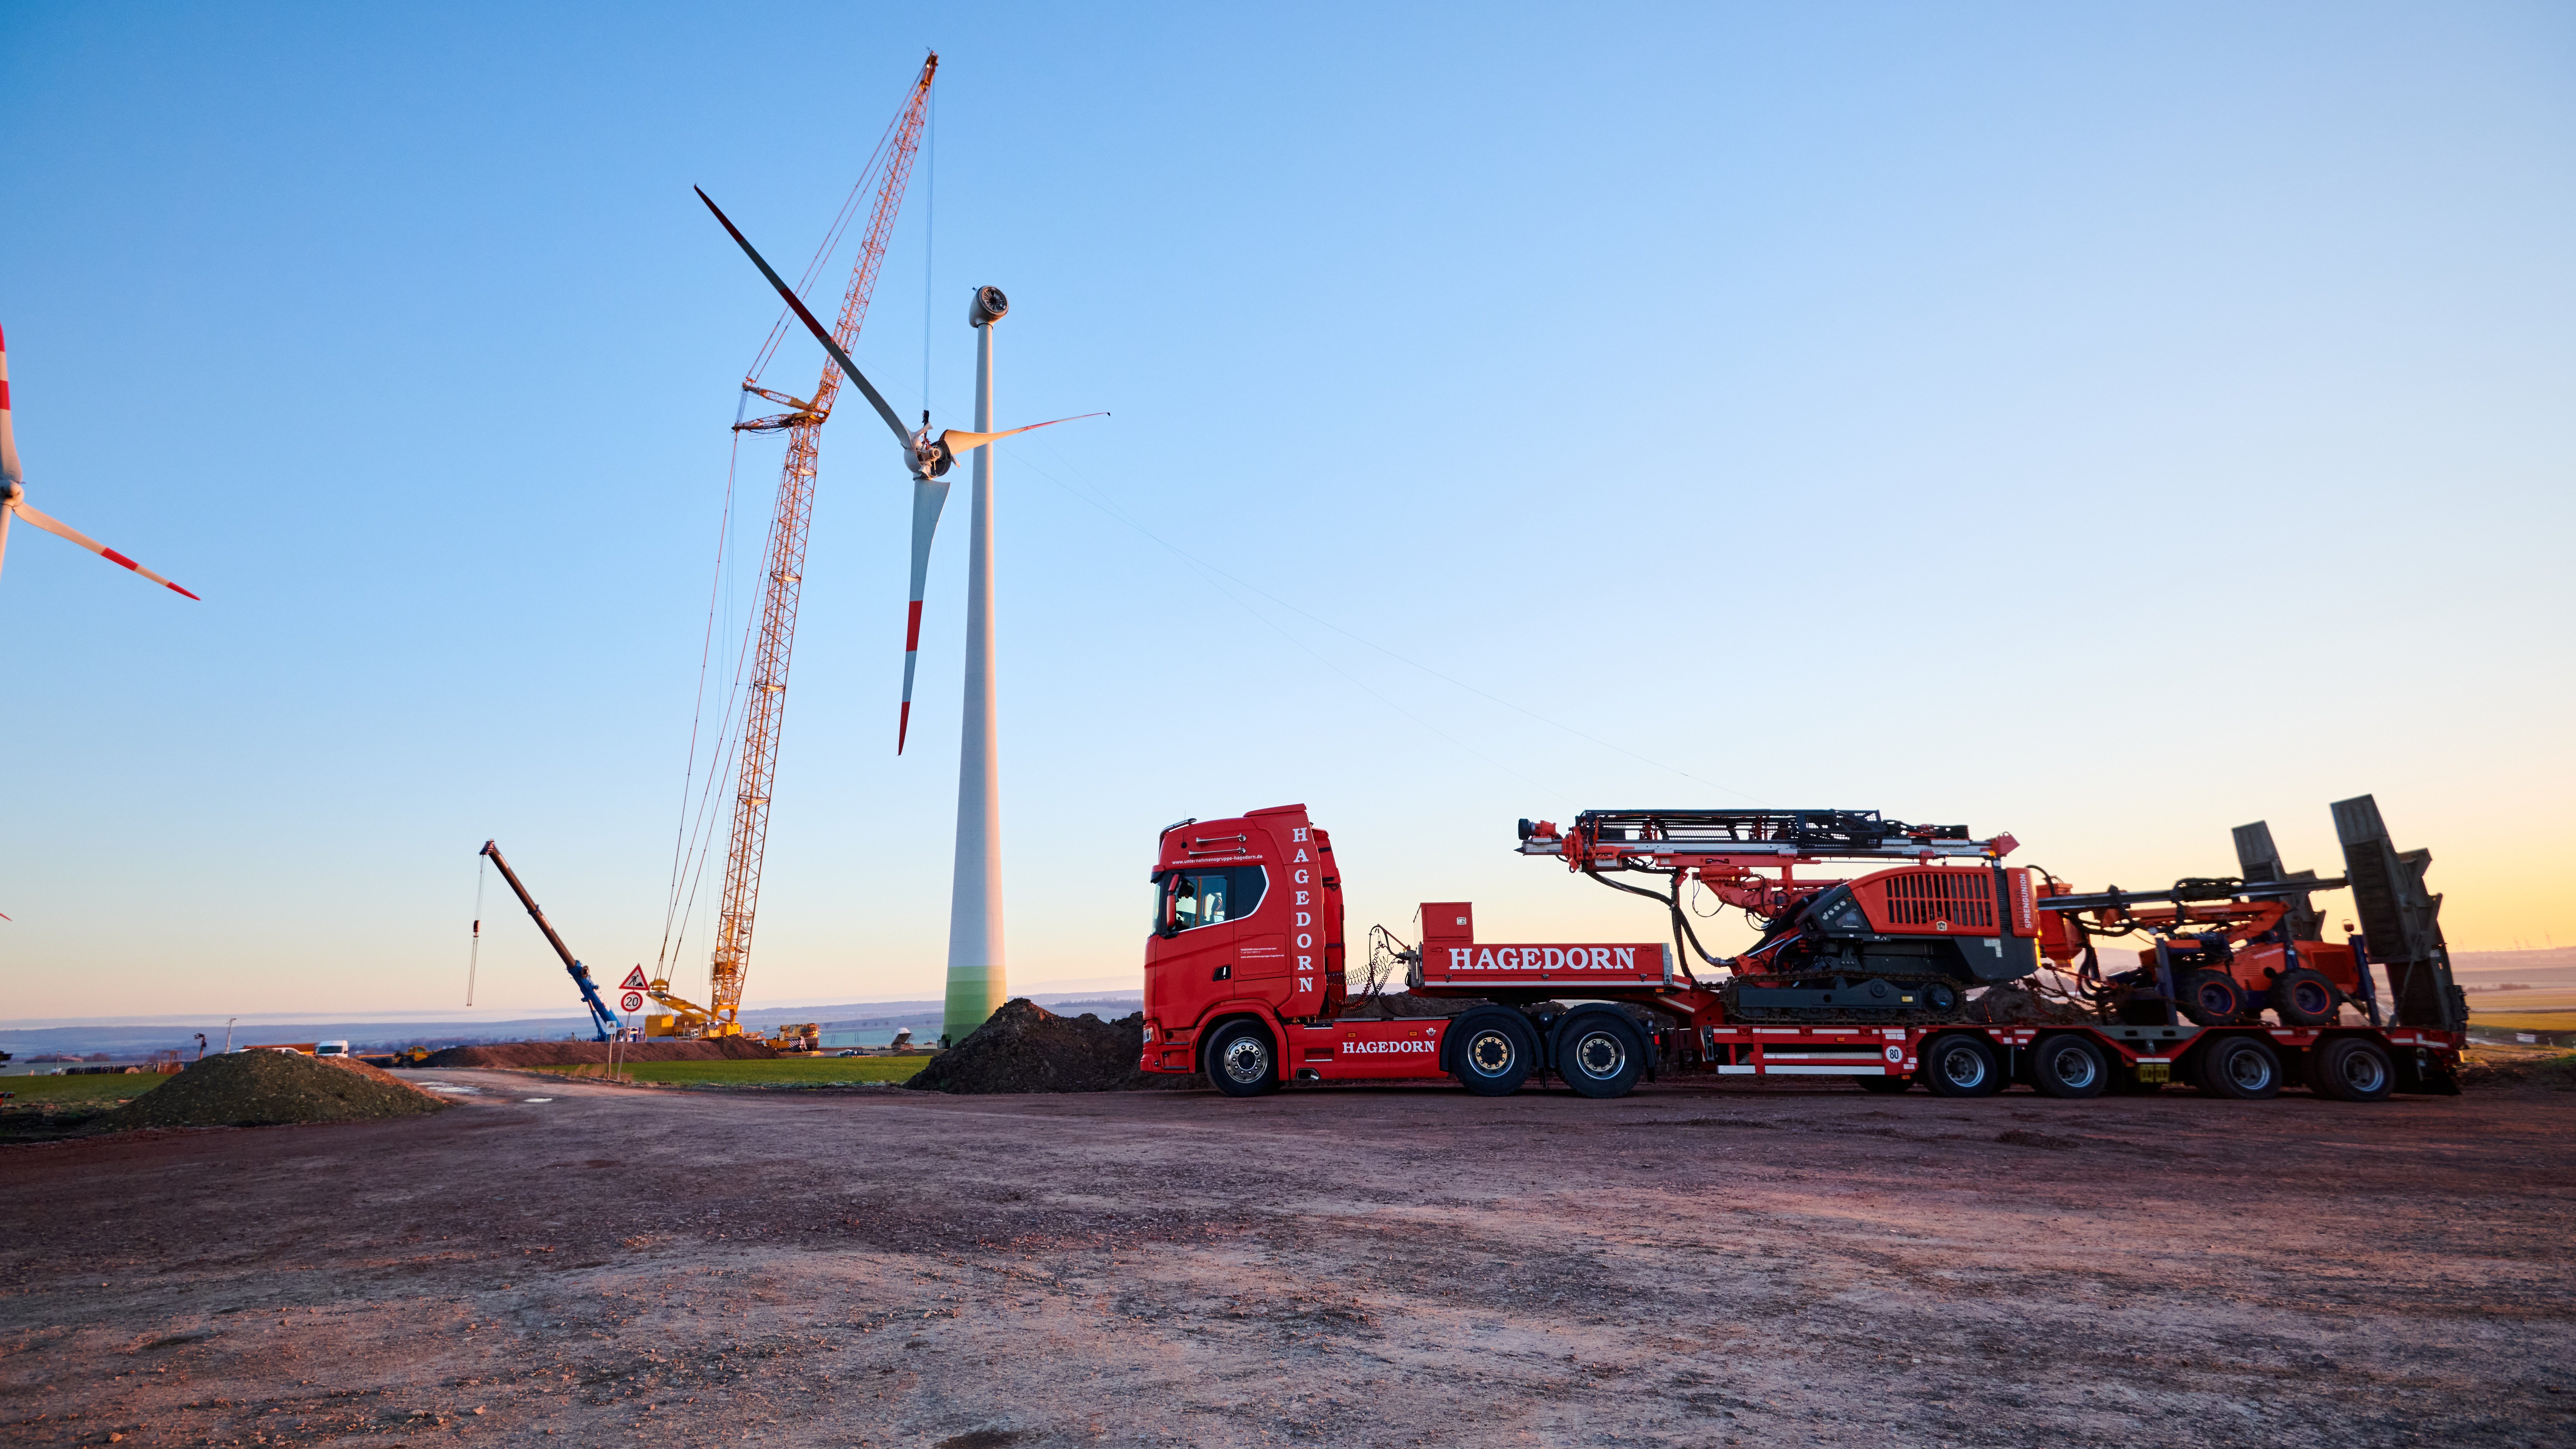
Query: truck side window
x,y
1210,897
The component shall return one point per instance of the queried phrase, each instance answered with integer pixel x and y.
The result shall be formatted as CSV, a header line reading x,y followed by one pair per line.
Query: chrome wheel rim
x,y
2364,1072
1490,1052
1245,1060
1600,1055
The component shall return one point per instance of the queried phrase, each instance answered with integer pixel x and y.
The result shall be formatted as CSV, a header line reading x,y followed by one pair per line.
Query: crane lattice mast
x,y
765,707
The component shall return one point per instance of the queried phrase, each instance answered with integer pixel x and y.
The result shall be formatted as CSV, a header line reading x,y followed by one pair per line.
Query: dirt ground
x,y
1688,1266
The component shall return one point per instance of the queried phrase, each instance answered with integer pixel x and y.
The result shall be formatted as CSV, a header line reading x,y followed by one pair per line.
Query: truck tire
x,y
2069,1066
2210,998
1242,1060
2244,1068
2303,997
1598,1053
2351,1069
1961,1065
1492,1052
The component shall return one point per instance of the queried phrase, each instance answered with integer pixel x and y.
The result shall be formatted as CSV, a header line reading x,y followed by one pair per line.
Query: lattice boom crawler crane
x,y
1875,976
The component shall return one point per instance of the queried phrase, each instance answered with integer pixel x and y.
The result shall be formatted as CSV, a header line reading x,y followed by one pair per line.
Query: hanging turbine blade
x,y
848,368
929,496
958,441
61,530
6,513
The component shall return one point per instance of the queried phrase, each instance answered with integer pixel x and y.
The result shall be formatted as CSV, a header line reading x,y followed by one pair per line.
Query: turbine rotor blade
x,y
62,530
848,368
929,496
8,436
958,441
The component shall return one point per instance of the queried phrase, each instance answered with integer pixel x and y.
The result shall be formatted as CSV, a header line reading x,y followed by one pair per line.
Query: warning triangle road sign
x,y
635,981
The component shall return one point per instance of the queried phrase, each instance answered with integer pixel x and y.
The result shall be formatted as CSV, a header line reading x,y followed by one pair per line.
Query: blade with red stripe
x,y
8,438
929,496
64,530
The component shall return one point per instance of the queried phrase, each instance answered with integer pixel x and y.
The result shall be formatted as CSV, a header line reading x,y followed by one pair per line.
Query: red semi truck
x,y
1875,977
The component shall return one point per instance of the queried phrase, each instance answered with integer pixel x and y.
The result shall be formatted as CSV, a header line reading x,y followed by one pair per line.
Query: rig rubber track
x,y
1838,1015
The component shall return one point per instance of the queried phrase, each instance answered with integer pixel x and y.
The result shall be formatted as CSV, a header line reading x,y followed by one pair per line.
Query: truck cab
x,y
1247,923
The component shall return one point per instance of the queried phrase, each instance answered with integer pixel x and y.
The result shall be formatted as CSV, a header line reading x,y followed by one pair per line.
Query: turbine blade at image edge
x,y
63,530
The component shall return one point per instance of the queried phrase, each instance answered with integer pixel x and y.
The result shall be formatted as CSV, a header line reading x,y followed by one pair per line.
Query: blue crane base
x,y
600,1016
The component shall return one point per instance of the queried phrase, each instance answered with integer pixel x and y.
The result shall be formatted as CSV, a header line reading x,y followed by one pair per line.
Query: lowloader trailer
x,y
1883,977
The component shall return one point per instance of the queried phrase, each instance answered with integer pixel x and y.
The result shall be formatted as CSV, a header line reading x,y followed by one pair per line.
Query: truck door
x,y
1195,916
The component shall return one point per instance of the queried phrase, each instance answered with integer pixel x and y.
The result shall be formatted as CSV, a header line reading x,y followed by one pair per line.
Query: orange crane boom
x,y
765,707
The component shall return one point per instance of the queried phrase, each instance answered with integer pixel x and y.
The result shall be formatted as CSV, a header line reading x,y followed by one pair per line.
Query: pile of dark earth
x,y
1026,1048
583,1053
259,1089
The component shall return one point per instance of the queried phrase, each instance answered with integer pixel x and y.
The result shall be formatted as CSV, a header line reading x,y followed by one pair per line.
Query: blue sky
x,y
2109,426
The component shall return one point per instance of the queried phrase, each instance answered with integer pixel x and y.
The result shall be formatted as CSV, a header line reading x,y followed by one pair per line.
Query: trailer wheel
x,y
2351,1069
1241,1060
1493,1052
2304,997
2070,1066
1961,1065
2243,1067
2210,998
1598,1054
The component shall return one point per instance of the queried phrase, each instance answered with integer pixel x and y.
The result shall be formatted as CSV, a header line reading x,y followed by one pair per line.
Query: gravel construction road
x,y
1384,1266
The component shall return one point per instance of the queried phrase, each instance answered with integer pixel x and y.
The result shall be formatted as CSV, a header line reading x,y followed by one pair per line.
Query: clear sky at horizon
x,y
2107,425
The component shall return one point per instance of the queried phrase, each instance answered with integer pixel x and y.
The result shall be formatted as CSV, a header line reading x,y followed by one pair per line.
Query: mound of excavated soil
x,y
255,1089
578,1053
1027,1048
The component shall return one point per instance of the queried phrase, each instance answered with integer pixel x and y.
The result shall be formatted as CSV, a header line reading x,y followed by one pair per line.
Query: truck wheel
x,y
1242,1062
2069,1066
1598,1054
1493,1052
1883,1086
2243,1067
1961,1065
2303,997
2210,998
2351,1069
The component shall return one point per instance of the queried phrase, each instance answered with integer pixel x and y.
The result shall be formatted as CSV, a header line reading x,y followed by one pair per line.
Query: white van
x,y
330,1049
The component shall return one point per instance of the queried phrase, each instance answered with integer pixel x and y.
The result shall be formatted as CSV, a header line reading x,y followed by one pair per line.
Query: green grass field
x,y
2544,1009
786,1071
80,1091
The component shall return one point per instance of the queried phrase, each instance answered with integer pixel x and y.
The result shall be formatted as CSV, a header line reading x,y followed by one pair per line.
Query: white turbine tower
x,y
977,980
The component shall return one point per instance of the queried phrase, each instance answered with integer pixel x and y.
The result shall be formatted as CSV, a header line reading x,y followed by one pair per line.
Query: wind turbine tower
x,y
977,982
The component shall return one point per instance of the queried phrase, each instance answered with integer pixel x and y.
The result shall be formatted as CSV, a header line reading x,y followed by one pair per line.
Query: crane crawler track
x,y
1842,985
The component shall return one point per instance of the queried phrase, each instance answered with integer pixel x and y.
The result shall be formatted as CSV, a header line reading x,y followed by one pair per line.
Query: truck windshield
x,y
1207,897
